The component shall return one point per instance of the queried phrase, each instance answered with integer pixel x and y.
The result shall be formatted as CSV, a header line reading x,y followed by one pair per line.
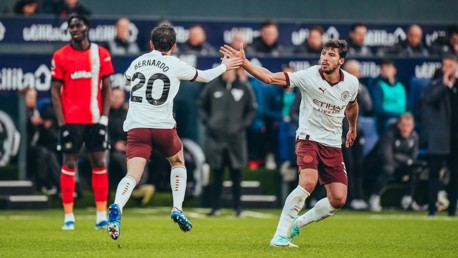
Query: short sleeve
x,y
184,71
296,79
106,66
355,90
56,67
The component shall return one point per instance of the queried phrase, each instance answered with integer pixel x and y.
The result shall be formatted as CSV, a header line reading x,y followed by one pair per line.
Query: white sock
x,y
293,205
178,180
100,216
69,217
322,210
124,190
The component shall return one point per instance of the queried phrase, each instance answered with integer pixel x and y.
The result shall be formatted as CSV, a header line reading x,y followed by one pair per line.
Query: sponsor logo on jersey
x,y
327,108
81,75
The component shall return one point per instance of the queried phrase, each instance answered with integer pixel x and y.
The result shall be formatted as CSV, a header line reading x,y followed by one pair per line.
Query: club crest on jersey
x,y
345,95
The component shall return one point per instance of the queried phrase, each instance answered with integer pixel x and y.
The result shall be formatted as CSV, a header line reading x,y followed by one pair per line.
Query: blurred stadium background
x,y
27,43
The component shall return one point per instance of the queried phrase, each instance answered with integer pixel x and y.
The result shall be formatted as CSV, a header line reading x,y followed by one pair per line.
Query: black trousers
x,y
218,176
353,158
436,163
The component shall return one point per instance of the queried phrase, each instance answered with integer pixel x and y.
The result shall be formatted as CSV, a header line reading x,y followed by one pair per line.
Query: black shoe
x,y
238,213
213,213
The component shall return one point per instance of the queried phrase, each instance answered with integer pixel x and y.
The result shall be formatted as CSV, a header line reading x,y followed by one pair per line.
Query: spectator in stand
x,y
447,45
356,39
26,7
353,156
313,44
42,163
267,42
121,44
395,154
389,95
67,8
227,107
441,99
411,47
118,113
196,44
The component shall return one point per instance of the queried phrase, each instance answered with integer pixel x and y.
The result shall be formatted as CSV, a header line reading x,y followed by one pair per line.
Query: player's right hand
x,y
231,62
230,52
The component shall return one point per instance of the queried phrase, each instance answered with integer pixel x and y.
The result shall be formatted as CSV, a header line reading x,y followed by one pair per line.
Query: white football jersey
x,y
155,80
323,105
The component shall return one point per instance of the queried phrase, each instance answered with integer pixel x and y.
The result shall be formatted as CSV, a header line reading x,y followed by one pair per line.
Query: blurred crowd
x,y
405,133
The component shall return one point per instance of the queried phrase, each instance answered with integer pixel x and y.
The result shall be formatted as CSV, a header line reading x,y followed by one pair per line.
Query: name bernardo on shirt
x,y
152,62
327,108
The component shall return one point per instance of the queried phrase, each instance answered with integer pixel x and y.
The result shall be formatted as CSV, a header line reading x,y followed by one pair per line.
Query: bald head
x,y
414,35
353,67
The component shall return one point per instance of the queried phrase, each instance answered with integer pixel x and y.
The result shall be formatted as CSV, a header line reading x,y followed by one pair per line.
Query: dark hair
x,y
19,5
387,62
81,18
452,29
317,28
163,37
450,57
337,43
269,23
357,24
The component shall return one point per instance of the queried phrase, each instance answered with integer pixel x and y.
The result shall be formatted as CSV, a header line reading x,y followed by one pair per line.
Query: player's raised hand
x,y
230,52
231,62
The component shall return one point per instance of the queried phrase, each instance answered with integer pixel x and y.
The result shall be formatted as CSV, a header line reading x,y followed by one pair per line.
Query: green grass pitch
x,y
150,233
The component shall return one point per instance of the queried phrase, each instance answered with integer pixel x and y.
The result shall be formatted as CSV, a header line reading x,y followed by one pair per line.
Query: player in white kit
x,y
328,96
155,80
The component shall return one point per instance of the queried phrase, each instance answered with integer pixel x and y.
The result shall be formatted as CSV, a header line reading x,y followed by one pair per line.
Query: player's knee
x,y
99,164
337,201
308,186
70,164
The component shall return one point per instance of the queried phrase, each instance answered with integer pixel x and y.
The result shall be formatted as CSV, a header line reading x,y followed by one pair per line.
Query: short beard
x,y
330,71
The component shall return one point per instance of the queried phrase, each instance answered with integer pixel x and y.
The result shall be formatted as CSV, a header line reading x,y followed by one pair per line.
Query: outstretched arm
x,y
226,64
258,72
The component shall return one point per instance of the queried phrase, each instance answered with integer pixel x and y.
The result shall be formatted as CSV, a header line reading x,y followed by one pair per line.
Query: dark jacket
x,y
355,50
119,47
227,112
259,47
436,117
115,125
392,150
202,49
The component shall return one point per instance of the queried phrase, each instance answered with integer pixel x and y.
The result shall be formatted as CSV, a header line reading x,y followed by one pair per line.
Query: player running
x,y
328,95
155,79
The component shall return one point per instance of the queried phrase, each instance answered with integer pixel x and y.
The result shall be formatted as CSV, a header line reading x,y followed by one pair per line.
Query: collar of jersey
x,y
332,84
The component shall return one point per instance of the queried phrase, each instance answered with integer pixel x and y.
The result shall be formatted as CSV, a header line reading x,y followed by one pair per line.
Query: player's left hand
x,y
231,63
351,136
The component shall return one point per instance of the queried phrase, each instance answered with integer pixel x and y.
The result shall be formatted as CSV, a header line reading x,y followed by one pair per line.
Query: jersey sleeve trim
x,y
57,80
195,76
288,82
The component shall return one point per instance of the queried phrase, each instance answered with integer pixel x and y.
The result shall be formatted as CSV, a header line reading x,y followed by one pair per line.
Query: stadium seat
x,y
417,85
369,127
